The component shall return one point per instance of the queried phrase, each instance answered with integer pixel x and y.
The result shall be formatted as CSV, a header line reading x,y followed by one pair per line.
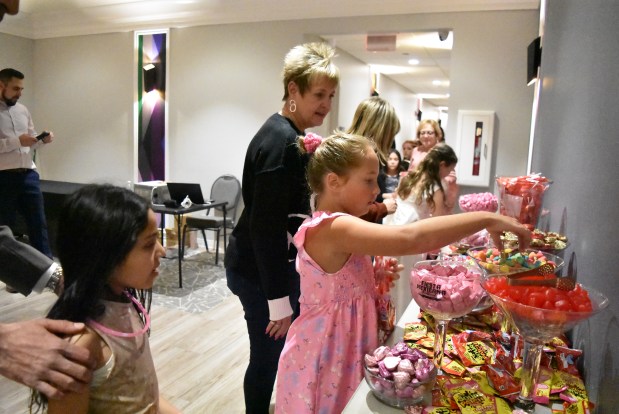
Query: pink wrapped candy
x,y
446,290
402,375
478,202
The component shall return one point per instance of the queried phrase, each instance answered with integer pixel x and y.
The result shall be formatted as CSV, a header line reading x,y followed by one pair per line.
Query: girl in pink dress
x,y
322,362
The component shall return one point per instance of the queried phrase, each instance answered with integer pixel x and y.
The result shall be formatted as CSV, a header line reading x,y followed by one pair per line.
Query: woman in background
x,y
430,133
375,118
260,258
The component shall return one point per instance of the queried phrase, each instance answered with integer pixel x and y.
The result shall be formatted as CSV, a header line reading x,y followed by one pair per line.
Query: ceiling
x,y
428,74
40,19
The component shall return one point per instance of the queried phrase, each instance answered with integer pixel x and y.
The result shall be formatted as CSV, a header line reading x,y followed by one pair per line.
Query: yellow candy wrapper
x,y
440,410
415,331
482,379
575,390
452,367
541,393
476,402
579,407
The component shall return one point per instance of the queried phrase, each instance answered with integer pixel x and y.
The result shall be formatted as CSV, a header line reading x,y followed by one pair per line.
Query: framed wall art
x,y
474,147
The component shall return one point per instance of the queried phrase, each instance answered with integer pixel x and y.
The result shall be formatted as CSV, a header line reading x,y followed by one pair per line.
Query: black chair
x,y
225,188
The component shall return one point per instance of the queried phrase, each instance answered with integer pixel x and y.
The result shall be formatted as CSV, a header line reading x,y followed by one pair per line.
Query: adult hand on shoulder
x,y
26,140
278,329
32,354
391,205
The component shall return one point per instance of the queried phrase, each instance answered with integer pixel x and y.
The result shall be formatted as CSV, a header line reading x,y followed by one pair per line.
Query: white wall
x,y
224,81
354,87
405,103
18,53
84,93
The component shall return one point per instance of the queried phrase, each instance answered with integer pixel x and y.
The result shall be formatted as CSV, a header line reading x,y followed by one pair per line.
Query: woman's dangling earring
x,y
292,106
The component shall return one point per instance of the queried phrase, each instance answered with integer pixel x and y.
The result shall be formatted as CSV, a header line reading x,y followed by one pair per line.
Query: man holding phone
x,y
19,181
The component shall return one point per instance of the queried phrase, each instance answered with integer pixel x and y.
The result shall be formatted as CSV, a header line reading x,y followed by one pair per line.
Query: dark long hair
x,y
427,173
97,228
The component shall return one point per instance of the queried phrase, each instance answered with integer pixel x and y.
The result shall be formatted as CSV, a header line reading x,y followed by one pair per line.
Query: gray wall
x,y
577,145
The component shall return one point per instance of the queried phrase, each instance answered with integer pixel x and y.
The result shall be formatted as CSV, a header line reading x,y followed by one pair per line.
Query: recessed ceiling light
x,y
413,61
436,82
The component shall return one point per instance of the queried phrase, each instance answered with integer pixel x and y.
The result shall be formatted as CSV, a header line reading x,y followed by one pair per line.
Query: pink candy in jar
x,y
478,202
446,290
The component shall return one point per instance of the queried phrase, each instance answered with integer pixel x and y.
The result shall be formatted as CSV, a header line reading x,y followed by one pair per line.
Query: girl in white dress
x,y
420,195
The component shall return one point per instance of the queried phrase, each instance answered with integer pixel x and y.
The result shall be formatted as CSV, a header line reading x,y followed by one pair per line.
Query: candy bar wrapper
x,y
439,400
415,331
501,380
475,402
575,391
450,388
440,410
543,387
558,341
473,352
480,336
506,361
579,407
481,378
566,359
452,367
428,352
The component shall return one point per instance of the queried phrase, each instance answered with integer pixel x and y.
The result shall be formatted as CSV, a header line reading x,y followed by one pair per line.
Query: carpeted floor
x,y
204,283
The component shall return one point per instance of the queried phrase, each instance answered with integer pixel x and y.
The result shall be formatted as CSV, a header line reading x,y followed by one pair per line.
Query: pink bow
x,y
311,141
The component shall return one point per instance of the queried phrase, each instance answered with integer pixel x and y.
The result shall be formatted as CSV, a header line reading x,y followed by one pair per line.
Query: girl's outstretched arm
x,y
347,234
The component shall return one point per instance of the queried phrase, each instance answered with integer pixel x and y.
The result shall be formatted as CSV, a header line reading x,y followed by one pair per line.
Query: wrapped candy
x,y
522,197
478,202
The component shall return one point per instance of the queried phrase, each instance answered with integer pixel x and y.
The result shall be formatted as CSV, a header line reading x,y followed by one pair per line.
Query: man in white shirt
x,y
19,181
32,352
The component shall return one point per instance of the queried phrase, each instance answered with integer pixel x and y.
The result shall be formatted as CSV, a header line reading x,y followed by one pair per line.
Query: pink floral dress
x,y
322,361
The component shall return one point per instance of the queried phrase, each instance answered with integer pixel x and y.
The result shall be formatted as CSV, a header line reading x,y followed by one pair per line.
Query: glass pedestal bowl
x,y
395,395
445,289
513,261
538,326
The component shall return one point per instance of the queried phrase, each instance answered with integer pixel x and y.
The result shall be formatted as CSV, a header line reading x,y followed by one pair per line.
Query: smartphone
x,y
42,135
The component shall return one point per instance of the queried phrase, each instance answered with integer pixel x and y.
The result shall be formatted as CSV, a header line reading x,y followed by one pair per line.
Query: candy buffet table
x,y
363,401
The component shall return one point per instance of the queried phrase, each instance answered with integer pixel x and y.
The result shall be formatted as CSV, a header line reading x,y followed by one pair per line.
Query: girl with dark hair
x,y
390,178
420,195
109,249
422,188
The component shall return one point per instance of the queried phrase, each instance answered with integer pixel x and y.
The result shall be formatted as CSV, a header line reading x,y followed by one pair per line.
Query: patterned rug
x,y
204,282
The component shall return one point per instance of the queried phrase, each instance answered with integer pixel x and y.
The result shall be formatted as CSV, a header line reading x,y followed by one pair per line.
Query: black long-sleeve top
x,y
276,198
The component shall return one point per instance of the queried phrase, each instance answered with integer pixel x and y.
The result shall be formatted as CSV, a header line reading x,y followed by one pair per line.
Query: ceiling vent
x,y
380,43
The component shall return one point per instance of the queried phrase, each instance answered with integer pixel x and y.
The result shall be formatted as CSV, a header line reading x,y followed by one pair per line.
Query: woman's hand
x,y
278,329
